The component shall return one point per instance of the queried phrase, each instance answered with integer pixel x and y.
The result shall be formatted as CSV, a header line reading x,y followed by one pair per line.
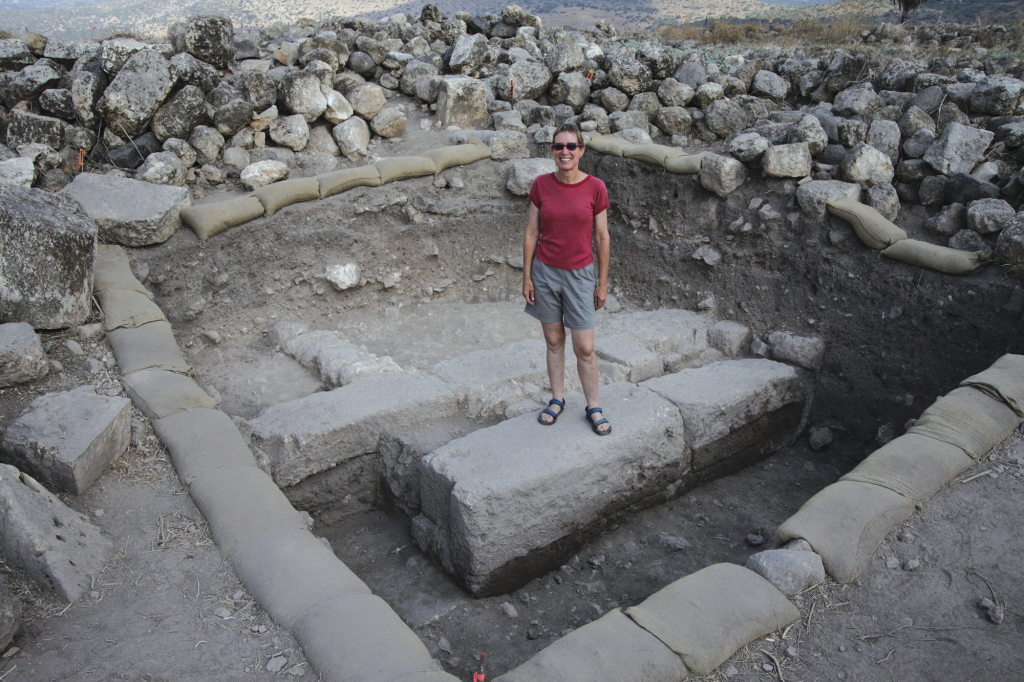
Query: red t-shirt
x,y
567,219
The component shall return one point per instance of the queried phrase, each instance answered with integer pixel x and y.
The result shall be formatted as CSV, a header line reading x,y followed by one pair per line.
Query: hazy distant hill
x,y
151,17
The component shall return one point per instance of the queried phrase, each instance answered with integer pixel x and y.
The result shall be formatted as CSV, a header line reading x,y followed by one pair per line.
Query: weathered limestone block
x,y
136,93
21,354
811,196
734,408
27,128
39,534
68,439
129,212
47,246
722,174
522,173
804,351
507,503
462,101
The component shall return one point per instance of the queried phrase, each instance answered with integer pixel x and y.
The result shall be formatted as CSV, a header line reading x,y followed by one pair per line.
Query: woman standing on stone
x,y
562,287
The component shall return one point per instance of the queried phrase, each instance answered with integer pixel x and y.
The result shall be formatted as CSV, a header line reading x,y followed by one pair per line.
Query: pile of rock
x,y
213,102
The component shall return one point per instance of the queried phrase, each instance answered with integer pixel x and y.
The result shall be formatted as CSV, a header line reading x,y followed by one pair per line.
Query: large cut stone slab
x,y
312,434
68,439
47,247
39,534
129,212
507,503
734,407
663,331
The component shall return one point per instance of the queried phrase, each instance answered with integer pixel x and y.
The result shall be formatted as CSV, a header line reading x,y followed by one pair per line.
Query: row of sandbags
x,y
212,218
346,632
672,159
879,233
846,522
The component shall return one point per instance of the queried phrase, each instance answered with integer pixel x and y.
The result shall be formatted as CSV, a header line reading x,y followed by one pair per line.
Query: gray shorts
x,y
565,296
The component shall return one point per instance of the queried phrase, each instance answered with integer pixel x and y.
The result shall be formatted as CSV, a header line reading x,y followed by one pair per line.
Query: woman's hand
x,y
600,296
528,290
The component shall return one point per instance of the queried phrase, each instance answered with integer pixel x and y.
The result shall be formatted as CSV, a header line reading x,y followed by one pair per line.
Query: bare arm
x,y
603,242
529,247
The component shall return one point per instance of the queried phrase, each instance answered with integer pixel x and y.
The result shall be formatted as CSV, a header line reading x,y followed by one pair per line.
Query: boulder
x,y
162,168
462,102
27,128
290,131
884,199
187,70
614,99
68,439
55,545
207,142
57,101
1010,244
790,571
10,616
47,246
692,74
918,144
969,240
788,161
811,196
808,129
129,212
958,149
708,93
571,88
859,100
86,89
522,173
30,82
658,58
564,57
721,174
299,92
132,98
950,220
749,148
21,354
624,120
14,54
338,107
263,173
411,74
997,95
255,87
885,137
509,120
674,121
524,80
367,99
915,119
627,73
181,114
672,93
116,52
867,166
803,351
352,136
769,84
468,54
724,117
18,171
852,132
898,75
963,188
233,116
987,216
389,122
132,154
210,39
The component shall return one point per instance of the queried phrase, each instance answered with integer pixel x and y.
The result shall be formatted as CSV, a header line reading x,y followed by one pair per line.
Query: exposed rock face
x,y
136,93
47,246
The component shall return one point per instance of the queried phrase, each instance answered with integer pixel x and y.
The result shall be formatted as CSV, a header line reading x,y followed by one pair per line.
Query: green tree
x,y
907,6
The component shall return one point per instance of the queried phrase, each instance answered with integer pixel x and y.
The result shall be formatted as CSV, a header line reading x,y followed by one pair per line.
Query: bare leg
x,y
554,337
586,363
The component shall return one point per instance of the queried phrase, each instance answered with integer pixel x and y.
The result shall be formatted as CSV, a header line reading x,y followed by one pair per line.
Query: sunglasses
x,y
571,146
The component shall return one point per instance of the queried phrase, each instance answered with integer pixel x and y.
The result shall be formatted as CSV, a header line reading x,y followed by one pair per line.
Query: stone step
x,y
510,502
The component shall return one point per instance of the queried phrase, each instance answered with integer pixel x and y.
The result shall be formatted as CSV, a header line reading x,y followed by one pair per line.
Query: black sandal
x,y
594,424
548,410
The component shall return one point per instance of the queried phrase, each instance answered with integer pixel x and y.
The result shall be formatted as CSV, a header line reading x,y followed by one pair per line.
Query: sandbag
x,y
1004,381
845,523
914,466
159,393
404,167
613,647
201,439
968,419
457,155
609,144
871,226
286,192
290,572
342,180
209,219
359,638
242,505
150,346
111,270
127,308
709,615
657,154
935,257
685,163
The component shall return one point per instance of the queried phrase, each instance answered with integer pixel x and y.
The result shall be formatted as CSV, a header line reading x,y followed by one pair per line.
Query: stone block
x,y
734,407
27,128
790,571
811,196
721,174
47,246
39,534
312,434
508,503
958,149
522,173
805,351
129,212
462,101
629,351
68,439
21,354
729,338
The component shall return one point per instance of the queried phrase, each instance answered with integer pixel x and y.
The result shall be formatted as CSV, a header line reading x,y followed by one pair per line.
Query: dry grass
x,y
810,32
179,531
5,34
